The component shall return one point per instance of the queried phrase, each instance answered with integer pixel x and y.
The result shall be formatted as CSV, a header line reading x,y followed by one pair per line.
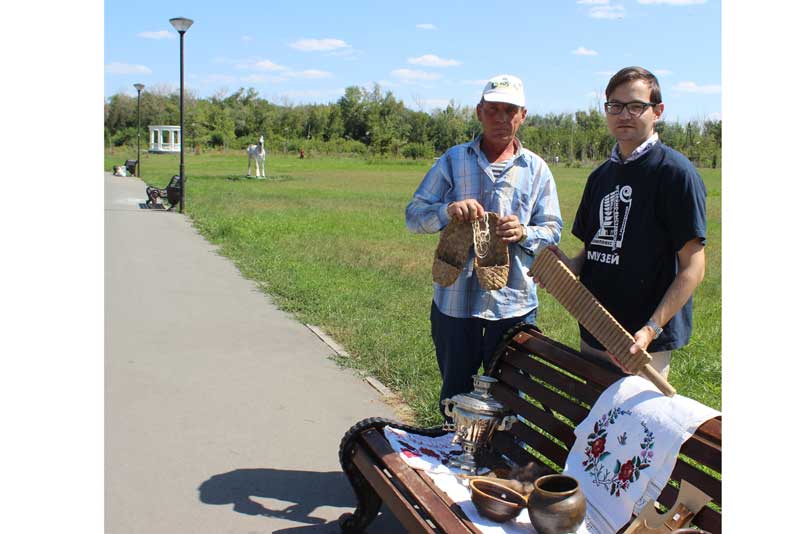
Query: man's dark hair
x,y
630,74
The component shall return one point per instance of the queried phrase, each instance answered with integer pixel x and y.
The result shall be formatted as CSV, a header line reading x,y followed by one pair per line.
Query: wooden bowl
x,y
495,501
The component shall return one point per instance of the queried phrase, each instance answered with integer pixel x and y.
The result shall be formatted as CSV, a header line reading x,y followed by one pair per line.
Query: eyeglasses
x,y
635,108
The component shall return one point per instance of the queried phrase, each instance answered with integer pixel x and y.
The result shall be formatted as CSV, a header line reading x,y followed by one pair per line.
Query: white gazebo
x,y
165,138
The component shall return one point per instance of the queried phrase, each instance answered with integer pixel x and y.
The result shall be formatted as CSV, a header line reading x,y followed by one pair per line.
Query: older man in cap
x,y
491,173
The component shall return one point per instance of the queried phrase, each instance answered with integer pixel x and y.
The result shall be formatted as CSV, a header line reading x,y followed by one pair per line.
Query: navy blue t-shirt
x,y
632,220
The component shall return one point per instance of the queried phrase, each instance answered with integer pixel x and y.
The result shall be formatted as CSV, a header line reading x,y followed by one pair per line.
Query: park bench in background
x,y
554,379
172,193
130,166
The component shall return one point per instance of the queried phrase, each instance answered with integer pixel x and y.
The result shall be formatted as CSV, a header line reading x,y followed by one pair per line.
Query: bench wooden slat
x,y
539,442
566,358
703,481
554,401
400,507
449,502
711,431
705,445
544,420
571,386
702,453
707,519
440,512
522,408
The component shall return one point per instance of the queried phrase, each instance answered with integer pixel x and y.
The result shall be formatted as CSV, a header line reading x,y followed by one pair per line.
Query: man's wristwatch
x,y
657,329
524,233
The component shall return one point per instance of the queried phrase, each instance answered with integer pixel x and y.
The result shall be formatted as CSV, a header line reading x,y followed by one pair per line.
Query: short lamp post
x,y
139,87
182,24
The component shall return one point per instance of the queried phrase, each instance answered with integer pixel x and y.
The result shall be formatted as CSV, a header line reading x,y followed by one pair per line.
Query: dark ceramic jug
x,y
557,505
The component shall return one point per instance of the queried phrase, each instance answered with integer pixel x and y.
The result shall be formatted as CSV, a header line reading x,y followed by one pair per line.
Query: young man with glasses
x,y
642,221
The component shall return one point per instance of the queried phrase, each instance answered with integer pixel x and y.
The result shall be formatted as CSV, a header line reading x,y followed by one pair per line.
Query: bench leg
x,y
369,502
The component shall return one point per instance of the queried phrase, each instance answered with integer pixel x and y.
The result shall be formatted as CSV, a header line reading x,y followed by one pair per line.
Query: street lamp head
x,y
181,24
139,86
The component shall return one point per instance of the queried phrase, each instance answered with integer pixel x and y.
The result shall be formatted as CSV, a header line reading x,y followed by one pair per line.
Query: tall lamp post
x,y
182,24
139,87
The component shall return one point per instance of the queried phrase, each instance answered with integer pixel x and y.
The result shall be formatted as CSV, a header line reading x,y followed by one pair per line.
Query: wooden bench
x,y
172,193
130,166
555,380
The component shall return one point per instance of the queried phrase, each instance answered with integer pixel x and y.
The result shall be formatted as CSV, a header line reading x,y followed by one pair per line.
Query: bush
x,y
126,136
417,151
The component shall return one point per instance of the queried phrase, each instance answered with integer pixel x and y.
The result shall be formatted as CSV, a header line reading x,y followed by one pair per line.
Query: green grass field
x,y
327,239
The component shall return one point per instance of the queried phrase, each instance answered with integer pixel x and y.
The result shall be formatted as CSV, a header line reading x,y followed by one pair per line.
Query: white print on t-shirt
x,y
613,214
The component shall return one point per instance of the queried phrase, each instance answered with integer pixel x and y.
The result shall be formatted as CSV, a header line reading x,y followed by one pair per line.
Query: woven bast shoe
x,y
452,252
492,269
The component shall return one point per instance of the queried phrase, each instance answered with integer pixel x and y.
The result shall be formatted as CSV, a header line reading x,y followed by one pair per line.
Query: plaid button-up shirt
x,y
637,153
525,188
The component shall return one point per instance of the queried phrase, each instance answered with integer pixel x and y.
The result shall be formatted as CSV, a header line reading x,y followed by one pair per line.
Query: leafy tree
x,y
367,119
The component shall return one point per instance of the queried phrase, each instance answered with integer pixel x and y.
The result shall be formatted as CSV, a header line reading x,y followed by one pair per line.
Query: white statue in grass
x,y
258,154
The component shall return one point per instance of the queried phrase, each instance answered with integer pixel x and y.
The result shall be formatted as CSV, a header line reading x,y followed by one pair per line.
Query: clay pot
x,y
495,501
557,505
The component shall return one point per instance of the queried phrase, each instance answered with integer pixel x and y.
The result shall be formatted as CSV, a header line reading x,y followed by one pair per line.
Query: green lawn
x,y
327,238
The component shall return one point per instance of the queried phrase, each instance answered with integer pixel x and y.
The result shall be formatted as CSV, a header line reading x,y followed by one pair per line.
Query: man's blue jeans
x,y
462,345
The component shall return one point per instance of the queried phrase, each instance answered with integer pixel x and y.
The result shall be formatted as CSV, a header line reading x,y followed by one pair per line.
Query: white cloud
x,y
474,82
163,34
607,12
411,76
714,116
692,87
319,45
309,95
219,78
125,68
259,64
426,27
673,2
593,2
247,38
260,78
662,72
434,103
286,75
581,51
309,74
268,65
430,60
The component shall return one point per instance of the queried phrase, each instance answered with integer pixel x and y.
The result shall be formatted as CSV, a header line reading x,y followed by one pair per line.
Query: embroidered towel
x,y
627,447
422,452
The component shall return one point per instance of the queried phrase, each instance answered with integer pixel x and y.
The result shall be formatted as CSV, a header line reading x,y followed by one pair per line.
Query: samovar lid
x,y
480,400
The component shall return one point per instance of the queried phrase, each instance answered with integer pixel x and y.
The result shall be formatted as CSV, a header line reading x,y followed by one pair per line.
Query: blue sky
x,y
425,52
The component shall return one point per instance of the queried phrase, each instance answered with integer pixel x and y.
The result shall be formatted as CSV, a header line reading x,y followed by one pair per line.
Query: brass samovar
x,y
476,416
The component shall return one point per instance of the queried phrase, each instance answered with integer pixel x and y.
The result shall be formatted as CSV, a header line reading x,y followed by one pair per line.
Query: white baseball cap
x,y
505,88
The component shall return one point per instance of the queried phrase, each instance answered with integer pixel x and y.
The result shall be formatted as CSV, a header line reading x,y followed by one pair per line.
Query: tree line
x,y
369,121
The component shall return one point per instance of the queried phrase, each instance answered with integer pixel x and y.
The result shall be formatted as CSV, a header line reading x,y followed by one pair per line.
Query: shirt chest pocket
x,y
510,200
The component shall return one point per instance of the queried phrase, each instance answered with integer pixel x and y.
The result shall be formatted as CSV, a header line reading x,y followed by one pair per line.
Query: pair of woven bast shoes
x,y
453,250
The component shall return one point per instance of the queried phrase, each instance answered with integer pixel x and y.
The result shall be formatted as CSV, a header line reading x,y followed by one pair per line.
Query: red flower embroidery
x,y
429,452
598,446
626,471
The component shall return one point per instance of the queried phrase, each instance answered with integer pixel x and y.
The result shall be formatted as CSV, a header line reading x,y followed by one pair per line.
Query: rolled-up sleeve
x,y
427,211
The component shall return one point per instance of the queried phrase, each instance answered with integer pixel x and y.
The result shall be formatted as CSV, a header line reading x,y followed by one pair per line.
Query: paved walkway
x,y
222,413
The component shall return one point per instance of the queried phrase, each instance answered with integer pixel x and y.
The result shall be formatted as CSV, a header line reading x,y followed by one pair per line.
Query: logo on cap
x,y
504,88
